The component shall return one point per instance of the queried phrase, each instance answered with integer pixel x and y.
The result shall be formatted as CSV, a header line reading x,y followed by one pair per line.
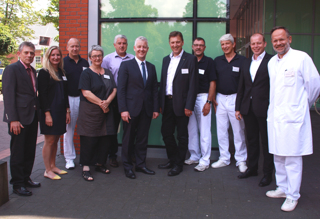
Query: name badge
x,y
235,69
106,76
289,73
84,68
64,78
201,71
184,71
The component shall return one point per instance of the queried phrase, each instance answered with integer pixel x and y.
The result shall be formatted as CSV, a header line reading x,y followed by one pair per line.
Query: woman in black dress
x,y
54,107
95,122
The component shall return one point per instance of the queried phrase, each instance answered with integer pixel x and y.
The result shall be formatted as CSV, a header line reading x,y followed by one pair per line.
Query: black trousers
x,y
136,130
256,126
23,149
94,150
176,152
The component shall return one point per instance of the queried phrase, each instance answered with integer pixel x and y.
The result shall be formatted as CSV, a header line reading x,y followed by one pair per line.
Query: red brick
x,y
76,33
73,13
84,9
83,6
84,24
73,29
63,21
73,9
63,6
82,29
62,18
74,1
73,21
82,21
83,13
72,25
72,17
63,29
72,5
64,13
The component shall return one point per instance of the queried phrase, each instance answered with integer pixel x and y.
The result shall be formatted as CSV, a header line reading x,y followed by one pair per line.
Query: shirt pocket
x,y
289,78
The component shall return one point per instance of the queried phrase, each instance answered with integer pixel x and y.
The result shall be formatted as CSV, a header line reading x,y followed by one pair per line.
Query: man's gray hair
x,y
227,37
28,44
95,48
121,37
142,38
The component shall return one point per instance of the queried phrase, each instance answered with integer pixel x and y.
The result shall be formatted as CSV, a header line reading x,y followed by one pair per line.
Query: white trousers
x,y
289,175
68,146
200,125
225,114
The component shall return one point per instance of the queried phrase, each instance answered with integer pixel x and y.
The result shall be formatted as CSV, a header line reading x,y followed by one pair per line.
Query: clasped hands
x,y
104,105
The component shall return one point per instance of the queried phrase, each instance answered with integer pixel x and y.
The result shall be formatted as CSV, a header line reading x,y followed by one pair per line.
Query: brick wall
x,y
73,22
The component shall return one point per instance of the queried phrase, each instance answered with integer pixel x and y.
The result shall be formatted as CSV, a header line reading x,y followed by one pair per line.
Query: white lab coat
x,y
294,86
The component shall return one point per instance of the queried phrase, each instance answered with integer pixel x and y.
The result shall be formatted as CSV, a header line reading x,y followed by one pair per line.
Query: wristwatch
x,y
208,101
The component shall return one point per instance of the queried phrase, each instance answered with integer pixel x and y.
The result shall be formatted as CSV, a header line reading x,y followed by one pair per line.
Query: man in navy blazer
x,y
20,112
138,104
252,104
177,95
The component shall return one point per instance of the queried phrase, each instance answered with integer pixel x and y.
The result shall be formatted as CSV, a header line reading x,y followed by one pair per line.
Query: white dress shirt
x,y
172,71
255,65
140,66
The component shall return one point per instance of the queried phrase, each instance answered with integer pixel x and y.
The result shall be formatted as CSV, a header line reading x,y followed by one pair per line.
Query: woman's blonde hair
x,y
48,66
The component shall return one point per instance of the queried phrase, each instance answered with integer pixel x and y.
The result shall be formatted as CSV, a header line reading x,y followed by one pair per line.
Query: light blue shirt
x,y
113,61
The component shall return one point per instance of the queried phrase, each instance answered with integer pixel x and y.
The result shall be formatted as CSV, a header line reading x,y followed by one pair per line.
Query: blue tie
x,y
144,75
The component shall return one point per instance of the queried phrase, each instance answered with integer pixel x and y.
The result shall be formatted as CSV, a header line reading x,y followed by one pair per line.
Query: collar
x,y
285,55
234,58
178,56
139,61
260,56
24,65
203,59
116,55
69,59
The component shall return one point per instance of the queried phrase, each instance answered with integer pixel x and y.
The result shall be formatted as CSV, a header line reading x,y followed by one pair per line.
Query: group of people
x,y
267,95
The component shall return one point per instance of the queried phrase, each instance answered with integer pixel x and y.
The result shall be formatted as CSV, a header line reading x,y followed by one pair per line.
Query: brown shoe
x,y
113,162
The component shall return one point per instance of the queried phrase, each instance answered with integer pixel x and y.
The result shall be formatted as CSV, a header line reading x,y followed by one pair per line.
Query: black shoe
x,y
176,170
21,190
168,165
248,173
265,181
145,170
130,174
32,184
113,162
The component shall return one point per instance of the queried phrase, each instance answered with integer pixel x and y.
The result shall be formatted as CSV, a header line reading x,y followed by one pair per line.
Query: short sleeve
x,y
85,80
211,70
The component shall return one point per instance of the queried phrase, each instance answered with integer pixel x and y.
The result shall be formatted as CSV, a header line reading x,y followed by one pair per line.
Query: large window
x,y
155,19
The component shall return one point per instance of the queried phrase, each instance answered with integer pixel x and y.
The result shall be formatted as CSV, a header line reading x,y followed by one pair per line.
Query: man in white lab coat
x,y
294,86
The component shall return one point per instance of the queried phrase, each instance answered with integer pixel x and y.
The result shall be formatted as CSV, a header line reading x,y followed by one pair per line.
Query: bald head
x,y
73,48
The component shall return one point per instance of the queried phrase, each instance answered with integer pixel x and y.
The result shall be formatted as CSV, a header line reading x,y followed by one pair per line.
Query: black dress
x,y
54,98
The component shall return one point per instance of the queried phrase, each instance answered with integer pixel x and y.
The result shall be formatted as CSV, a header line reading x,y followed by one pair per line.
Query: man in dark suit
x,y
20,112
252,104
138,104
177,95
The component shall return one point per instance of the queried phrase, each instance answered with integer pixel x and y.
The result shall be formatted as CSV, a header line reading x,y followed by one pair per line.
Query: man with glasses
x,y
112,62
200,120
73,66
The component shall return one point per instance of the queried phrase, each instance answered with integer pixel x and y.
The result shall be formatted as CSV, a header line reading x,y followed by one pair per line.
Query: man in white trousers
x,y
200,121
73,66
294,86
227,68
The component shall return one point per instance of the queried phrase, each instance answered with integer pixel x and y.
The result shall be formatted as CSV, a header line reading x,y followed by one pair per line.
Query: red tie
x,y
32,78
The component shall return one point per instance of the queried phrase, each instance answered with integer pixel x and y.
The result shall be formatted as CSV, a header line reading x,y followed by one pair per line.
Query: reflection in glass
x,y
157,34
211,33
146,8
316,55
212,8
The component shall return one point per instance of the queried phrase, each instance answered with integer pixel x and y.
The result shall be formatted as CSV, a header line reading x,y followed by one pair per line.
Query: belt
x,y
169,96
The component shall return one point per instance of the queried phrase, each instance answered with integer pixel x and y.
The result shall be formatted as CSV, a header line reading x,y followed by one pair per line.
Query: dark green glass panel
x,y
146,8
301,42
316,56
317,17
212,8
269,15
296,15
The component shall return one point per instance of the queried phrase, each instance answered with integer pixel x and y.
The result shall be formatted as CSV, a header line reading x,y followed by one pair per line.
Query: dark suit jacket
x,y
258,89
132,94
20,100
184,86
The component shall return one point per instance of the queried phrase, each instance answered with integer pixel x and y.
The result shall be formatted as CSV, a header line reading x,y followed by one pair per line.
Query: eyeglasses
x,y
96,57
196,45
